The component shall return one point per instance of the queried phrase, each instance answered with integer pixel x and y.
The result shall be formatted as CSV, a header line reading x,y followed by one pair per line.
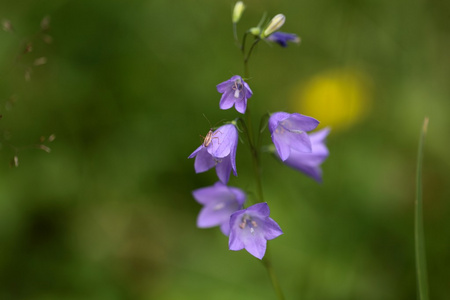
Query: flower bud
x,y
239,8
274,25
256,31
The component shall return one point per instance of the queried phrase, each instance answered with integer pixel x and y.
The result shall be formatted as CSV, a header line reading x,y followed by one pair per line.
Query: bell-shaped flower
x,y
219,202
288,132
235,91
251,228
282,38
218,150
309,163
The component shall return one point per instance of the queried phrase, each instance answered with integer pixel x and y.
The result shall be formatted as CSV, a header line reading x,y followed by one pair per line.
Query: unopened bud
x,y
274,25
256,31
239,8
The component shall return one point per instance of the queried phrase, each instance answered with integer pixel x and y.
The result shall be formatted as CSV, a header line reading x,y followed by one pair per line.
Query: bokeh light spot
x,y
338,98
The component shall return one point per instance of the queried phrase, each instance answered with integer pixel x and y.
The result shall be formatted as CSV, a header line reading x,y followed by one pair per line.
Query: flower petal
x,y
248,91
262,210
209,217
235,77
241,105
225,228
235,243
218,192
223,169
193,154
298,141
203,161
271,229
224,139
239,194
223,86
275,118
309,163
217,213
283,37
299,122
227,101
319,136
281,143
256,247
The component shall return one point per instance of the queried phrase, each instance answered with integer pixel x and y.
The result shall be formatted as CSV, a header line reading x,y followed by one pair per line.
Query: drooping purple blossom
x,y
251,228
235,91
218,150
219,202
288,132
309,163
282,38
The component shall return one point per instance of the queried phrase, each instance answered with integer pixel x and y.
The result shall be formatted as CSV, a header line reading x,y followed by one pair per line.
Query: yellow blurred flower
x,y
337,98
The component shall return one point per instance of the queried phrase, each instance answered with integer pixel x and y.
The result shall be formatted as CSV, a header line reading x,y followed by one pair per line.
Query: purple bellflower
x,y
282,38
251,228
289,132
309,163
235,91
219,202
218,150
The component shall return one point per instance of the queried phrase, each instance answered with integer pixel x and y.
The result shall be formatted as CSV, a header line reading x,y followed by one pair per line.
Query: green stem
x,y
273,278
244,39
251,49
236,39
421,266
255,154
251,141
247,57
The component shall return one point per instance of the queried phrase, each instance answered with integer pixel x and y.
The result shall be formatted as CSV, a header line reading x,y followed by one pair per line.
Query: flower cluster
x,y
250,228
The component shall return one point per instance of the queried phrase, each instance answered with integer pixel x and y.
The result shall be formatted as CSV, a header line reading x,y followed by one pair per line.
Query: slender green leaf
x,y
421,265
264,122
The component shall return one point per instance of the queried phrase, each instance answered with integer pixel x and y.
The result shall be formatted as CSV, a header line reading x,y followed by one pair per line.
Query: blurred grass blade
x,y
421,265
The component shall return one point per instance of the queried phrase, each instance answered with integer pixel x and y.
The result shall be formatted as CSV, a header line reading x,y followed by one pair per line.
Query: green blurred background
x,y
108,213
